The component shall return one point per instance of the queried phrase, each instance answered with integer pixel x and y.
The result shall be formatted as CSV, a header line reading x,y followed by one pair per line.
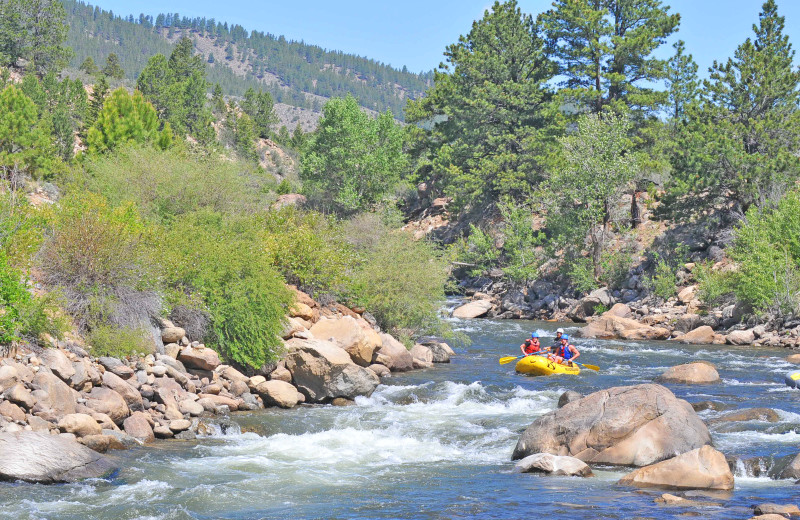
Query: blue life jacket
x,y
564,352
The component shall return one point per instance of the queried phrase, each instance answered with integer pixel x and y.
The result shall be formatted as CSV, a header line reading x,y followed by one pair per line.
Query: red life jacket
x,y
529,347
564,352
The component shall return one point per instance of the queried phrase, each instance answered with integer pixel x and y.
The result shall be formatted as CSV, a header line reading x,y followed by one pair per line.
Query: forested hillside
x,y
295,73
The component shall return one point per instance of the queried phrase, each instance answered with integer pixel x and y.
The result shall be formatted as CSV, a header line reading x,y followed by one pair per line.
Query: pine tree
x,y
217,99
99,94
682,81
24,141
125,118
34,30
112,68
89,66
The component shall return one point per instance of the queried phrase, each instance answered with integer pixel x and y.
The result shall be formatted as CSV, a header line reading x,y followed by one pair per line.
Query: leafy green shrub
x,y
615,266
119,342
664,280
712,285
519,246
581,273
164,184
102,259
220,261
24,141
478,251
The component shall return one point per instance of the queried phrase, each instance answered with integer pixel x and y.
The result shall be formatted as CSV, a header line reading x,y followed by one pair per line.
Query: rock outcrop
x,y
701,468
610,326
629,425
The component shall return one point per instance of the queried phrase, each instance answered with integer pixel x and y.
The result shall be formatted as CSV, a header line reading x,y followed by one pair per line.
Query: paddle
x,y
590,367
509,359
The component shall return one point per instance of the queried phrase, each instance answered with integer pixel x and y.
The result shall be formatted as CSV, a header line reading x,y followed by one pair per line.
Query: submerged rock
x,y
702,468
44,458
697,373
553,465
626,425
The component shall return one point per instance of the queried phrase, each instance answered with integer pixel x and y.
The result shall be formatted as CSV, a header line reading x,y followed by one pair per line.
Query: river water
x,y
433,444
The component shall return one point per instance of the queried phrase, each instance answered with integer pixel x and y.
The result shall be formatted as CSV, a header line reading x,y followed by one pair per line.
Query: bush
x,y
664,279
478,251
164,184
581,273
124,119
101,258
119,342
219,261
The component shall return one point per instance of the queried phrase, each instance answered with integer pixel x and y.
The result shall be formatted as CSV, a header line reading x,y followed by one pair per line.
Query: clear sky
x,y
416,32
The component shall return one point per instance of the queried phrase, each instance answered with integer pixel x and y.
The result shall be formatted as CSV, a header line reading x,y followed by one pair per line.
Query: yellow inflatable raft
x,y
541,366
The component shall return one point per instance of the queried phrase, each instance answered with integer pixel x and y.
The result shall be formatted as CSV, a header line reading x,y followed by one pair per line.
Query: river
x,y
432,444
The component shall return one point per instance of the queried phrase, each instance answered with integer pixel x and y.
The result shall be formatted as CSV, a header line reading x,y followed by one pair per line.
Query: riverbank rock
x,y
323,371
51,392
794,358
58,363
700,336
609,326
785,510
346,333
786,468
567,397
44,458
741,337
199,358
474,309
624,425
80,425
139,426
701,468
277,393
422,356
104,400
172,335
440,350
553,465
675,501
399,358
697,373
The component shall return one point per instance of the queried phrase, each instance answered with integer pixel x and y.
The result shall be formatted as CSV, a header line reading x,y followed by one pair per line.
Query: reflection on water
x,y
433,444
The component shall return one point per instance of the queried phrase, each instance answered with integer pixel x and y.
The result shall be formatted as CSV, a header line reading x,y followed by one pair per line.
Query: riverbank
x,y
332,356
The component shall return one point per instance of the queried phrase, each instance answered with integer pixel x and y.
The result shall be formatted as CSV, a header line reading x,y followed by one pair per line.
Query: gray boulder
x,y
58,362
44,458
627,425
400,359
553,465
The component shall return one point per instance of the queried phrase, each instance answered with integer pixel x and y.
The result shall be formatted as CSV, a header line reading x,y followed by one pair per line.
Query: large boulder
x,y
323,371
58,363
172,335
56,395
701,468
44,458
139,427
787,467
474,309
609,326
696,373
346,333
440,350
277,393
109,402
748,414
80,424
131,396
400,359
553,465
703,335
741,337
8,377
200,358
625,425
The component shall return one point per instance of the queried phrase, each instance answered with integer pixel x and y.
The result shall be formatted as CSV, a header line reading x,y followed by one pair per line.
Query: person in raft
x,y
557,340
531,346
565,353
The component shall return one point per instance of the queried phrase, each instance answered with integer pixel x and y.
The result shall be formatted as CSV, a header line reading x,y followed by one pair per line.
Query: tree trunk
x,y
636,217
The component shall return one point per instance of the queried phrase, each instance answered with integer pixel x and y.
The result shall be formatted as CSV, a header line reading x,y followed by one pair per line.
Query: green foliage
x,y
34,30
89,66
713,285
119,342
581,273
478,251
112,68
24,141
99,94
260,107
352,161
605,50
167,184
521,258
682,81
740,141
489,110
664,280
243,294
240,132
125,119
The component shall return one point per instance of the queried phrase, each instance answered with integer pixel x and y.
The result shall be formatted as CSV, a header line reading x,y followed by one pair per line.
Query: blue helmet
x,y
534,334
565,336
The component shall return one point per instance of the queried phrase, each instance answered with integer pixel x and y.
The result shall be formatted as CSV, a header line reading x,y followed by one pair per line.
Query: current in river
x,y
434,444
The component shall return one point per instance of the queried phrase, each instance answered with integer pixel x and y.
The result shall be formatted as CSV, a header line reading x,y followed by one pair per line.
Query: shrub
x,y
581,273
478,251
664,280
219,261
119,342
101,258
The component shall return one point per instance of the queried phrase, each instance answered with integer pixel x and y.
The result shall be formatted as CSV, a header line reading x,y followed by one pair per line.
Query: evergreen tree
x,y
217,99
89,66
490,111
741,142
99,93
260,107
682,81
126,118
299,138
112,68
34,30
604,49
24,143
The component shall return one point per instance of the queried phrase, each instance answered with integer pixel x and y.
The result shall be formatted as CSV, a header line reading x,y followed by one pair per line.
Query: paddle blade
x,y
505,360
591,367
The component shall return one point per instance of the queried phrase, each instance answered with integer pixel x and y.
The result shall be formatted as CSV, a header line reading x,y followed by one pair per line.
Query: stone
x,y
172,335
741,337
673,500
611,327
794,358
240,387
189,407
231,374
701,468
703,335
553,465
292,327
130,394
278,393
626,425
38,424
748,414
11,411
696,373
603,295
220,400
8,377
109,402
380,370
139,427
116,366
567,397
301,310
163,432
776,509
346,333
400,359
80,425
620,310
474,309
687,294
321,371
180,425
422,353
44,458
20,395
281,374
787,467
440,350
58,362
58,397
687,322
101,443
199,358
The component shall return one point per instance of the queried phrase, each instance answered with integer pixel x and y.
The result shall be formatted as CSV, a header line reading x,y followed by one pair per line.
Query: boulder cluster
x,y
332,354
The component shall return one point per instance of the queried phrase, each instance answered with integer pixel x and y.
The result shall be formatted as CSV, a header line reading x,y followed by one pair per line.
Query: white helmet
x,y
559,331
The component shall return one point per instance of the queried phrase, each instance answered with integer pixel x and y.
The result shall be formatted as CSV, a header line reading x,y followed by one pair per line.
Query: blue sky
x,y
416,32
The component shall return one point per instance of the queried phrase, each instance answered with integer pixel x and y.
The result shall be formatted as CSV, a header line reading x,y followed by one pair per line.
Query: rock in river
x,y
474,309
41,457
553,465
625,425
697,373
703,468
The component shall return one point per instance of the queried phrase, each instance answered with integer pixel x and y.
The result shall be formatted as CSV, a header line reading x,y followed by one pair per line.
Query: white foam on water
x,y
139,492
736,382
749,438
